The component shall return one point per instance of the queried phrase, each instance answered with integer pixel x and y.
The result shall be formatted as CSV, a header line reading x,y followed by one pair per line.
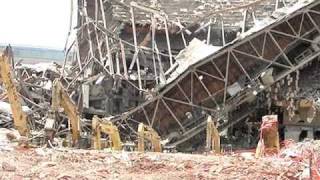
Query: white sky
x,y
43,23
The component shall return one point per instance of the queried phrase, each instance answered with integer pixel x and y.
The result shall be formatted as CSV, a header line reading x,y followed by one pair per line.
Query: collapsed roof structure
x,y
147,75
169,64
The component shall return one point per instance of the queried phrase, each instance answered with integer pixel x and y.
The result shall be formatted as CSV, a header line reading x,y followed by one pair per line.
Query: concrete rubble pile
x,y
294,162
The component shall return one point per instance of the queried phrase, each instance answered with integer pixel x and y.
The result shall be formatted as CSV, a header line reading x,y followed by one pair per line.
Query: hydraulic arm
x,y
213,137
19,117
146,132
269,136
107,127
60,98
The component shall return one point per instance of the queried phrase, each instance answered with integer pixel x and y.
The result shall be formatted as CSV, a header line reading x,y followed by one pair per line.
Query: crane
x,y
107,127
146,132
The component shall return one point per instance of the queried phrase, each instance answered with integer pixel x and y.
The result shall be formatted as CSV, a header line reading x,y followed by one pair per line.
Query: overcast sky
x,y
43,23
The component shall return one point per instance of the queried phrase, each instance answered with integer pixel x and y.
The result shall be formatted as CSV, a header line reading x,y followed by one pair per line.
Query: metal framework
x,y
205,87
221,84
99,42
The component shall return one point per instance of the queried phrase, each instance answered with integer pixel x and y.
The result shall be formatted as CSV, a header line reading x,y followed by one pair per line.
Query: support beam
x,y
168,40
136,46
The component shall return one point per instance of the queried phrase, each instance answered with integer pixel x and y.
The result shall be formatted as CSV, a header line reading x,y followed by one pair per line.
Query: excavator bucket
x,y
99,126
146,132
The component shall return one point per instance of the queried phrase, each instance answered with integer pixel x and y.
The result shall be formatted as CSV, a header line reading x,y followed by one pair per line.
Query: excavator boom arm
x,y
19,117
60,98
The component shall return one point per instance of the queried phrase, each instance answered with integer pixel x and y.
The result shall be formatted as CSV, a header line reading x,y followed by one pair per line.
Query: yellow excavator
x,y
146,132
213,137
19,117
107,127
60,98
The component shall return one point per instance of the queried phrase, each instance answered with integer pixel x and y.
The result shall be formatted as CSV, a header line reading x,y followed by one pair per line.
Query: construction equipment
x,y
19,117
60,98
213,137
107,127
146,132
269,136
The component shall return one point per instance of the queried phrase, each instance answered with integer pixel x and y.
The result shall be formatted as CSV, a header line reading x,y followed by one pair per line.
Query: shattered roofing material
x,y
6,108
278,15
202,50
188,11
40,67
196,51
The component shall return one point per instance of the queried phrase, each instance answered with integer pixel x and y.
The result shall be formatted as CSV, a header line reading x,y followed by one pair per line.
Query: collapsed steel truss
x,y
286,45
99,41
222,84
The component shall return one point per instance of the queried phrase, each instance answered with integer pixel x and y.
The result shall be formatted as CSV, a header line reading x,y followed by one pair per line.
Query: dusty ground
x,y
86,164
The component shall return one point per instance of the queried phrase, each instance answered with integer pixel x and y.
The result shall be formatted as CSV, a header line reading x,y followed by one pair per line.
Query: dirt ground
x,y
42,163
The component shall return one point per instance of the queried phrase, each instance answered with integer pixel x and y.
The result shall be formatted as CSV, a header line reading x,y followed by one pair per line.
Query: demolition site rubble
x,y
292,163
205,89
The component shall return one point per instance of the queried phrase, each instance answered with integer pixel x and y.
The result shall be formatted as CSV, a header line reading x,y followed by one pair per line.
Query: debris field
x,y
44,163
184,89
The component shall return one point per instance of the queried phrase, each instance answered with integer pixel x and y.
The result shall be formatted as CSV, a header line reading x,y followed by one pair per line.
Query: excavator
x,y
107,127
60,98
19,117
146,132
213,137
